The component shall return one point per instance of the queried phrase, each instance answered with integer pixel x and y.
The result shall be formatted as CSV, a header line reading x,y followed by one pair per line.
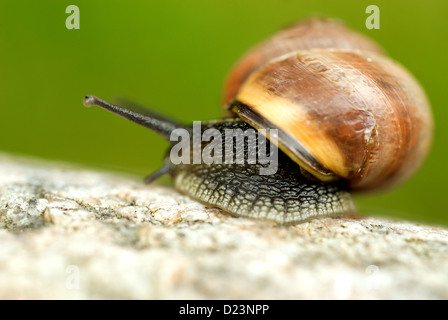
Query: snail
x,y
348,119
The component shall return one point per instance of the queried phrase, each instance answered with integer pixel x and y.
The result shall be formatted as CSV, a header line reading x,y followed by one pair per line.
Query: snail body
x,y
348,118
286,197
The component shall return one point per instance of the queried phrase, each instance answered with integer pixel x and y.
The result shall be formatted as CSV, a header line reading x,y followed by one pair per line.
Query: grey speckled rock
x,y
71,233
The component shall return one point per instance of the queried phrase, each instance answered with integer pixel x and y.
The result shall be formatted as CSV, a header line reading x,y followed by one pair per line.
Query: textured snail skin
x,y
357,113
286,197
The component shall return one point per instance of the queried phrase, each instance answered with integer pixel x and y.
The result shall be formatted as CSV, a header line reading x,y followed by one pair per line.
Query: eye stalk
x,y
160,125
146,118
89,100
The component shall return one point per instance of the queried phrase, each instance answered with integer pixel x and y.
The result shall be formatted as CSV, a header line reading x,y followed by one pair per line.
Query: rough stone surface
x,y
70,233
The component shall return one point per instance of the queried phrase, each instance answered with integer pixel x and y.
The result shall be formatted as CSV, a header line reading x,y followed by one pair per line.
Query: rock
x,y
70,233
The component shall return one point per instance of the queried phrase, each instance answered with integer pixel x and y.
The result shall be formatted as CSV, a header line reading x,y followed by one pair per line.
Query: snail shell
x,y
342,107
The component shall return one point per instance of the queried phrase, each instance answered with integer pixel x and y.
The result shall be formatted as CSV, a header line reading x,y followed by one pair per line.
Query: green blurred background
x,y
174,57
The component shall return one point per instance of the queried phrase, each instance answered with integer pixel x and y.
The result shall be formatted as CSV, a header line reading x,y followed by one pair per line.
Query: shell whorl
x,y
359,114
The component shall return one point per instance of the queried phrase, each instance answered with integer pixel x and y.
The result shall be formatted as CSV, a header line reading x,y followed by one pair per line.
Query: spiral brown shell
x,y
343,108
